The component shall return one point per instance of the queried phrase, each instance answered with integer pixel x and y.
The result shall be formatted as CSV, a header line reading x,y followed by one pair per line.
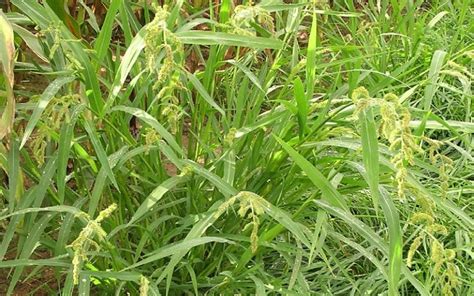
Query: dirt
x,y
41,284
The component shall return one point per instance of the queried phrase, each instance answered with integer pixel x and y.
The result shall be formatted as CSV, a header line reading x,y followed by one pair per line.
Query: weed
x,y
216,144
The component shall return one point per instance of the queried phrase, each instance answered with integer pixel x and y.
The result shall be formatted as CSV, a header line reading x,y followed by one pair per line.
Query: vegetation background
x,y
236,147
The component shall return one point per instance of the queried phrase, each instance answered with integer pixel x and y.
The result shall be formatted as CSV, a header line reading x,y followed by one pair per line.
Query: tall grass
x,y
304,148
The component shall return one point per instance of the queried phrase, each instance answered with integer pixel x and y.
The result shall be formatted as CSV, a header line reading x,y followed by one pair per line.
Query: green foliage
x,y
311,148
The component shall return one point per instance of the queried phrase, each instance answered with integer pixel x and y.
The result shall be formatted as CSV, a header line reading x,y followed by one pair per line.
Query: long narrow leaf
x,y
370,156
101,155
7,51
328,191
216,38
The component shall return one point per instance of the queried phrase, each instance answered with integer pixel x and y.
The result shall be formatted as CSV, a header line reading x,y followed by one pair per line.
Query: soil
x,y
39,285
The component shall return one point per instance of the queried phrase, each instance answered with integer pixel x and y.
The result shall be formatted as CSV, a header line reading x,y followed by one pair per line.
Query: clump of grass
x,y
217,144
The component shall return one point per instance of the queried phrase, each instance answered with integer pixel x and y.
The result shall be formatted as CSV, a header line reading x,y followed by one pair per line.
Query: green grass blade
x,y
192,274
65,232
301,232
119,275
174,13
223,186
156,195
101,178
204,94
436,19
217,38
31,40
181,247
317,241
147,118
249,74
64,147
35,262
435,68
14,172
128,61
370,156
84,286
195,233
370,153
60,209
101,155
311,59
328,191
303,105
229,167
224,12
34,197
102,42
259,286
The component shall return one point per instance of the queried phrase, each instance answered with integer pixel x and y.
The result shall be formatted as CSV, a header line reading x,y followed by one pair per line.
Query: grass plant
x,y
236,147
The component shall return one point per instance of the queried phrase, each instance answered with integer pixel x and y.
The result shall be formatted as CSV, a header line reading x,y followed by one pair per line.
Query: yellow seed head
x,y
360,93
106,213
449,254
144,286
422,218
81,244
413,247
437,228
437,255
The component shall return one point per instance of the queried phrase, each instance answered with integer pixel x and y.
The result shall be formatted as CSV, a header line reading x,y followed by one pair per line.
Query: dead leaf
x,y
7,52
